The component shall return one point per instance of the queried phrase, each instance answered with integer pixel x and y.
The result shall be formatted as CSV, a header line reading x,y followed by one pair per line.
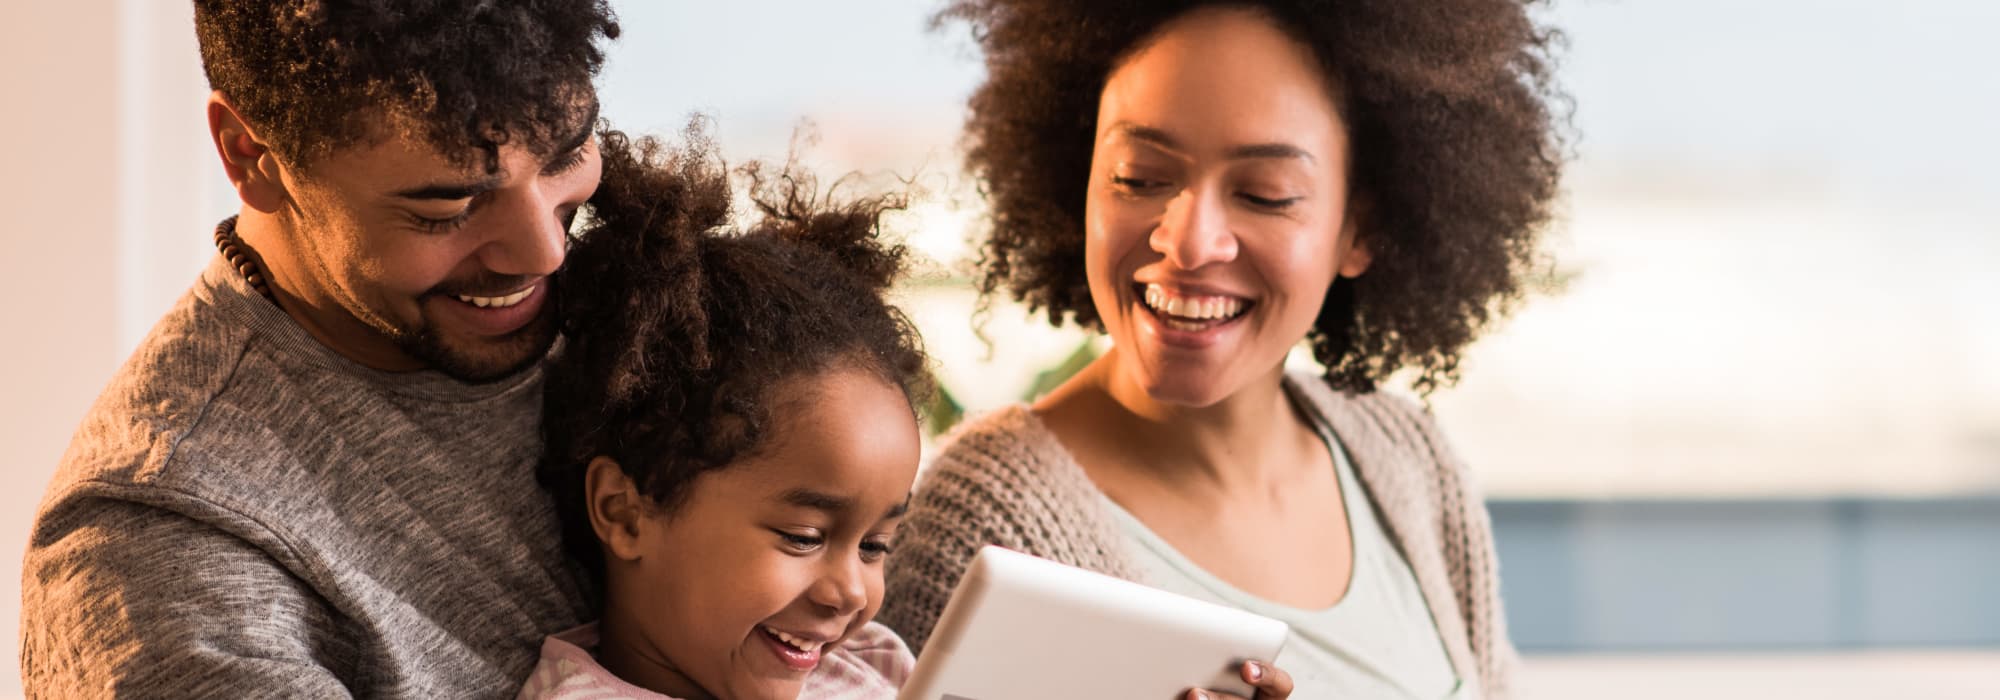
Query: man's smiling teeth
x,y
804,645
1189,307
497,302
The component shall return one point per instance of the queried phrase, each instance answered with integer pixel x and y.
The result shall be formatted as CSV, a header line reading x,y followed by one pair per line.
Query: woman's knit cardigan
x,y
1004,479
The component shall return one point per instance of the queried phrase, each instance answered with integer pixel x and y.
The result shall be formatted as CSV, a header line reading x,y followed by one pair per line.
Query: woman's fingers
x,y
1270,683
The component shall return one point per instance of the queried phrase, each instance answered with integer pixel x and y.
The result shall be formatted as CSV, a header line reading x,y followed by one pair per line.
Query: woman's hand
x,y
1270,682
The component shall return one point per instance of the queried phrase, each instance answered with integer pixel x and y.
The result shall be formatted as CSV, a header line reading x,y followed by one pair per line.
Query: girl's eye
x,y
800,543
872,550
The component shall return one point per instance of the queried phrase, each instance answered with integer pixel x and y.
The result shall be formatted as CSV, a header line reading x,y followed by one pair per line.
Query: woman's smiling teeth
x,y
497,302
1188,312
800,643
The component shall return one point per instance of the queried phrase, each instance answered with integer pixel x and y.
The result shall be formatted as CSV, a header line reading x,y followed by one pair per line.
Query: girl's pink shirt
x,y
872,664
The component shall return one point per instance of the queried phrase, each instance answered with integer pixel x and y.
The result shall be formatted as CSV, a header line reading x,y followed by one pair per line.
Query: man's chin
x,y
483,360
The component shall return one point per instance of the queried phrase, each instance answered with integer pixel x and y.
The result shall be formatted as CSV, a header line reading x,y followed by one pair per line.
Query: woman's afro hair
x,y
1455,156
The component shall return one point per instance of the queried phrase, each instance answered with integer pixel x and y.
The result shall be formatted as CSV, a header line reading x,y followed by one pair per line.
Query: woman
x,y
1211,184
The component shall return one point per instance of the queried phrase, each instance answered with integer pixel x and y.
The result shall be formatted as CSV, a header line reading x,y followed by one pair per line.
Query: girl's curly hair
x,y
1455,152
679,333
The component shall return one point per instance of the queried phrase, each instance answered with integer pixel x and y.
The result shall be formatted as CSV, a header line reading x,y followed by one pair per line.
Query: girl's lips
x,y
789,655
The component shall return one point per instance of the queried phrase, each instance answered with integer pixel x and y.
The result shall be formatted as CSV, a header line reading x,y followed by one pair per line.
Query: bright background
x,y
1751,450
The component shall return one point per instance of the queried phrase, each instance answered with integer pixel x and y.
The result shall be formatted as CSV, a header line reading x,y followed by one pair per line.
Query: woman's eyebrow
x,y
1280,151
1145,134
1164,141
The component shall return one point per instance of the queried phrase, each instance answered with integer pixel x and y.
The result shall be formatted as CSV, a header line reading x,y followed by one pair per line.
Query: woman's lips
x,y
1189,321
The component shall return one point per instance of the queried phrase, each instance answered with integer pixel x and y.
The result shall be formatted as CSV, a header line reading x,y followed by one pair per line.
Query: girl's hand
x,y
1271,683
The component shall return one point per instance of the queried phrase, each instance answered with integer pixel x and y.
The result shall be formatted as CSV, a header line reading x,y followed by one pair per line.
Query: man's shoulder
x,y
196,403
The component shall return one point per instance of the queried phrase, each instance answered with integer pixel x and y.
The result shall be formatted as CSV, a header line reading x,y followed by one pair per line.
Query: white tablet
x,y
1021,627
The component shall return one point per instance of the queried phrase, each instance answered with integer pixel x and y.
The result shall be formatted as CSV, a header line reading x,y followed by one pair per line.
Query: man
x,y
314,477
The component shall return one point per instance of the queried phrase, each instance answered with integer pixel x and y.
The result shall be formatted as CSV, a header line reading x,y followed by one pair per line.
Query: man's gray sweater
x,y
245,513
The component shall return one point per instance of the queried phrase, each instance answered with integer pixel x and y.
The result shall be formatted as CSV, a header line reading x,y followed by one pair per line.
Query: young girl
x,y
730,438
731,441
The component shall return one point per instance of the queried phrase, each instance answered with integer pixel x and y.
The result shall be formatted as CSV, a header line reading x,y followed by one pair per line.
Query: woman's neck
x,y
1242,444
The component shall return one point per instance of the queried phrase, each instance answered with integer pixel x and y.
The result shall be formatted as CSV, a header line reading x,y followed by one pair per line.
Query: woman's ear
x,y
1352,248
616,508
250,164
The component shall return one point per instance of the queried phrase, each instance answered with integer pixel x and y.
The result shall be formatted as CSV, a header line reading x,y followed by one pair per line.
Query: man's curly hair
x,y
1455,154
684,341
315,76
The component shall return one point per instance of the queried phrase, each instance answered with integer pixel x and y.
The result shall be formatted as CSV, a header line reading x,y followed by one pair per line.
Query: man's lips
x,y
498,301
494,315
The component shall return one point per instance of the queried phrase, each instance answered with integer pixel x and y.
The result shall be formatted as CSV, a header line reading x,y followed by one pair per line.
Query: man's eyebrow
x,y
817,500
466,190
449,190
576,140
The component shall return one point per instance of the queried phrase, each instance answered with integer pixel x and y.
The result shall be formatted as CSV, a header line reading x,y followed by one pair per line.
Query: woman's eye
x,y
800,543
1135,184
1267,202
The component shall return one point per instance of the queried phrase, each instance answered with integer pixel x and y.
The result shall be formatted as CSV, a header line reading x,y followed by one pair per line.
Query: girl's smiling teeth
x,y
499,302
1191,312
800,643
797,653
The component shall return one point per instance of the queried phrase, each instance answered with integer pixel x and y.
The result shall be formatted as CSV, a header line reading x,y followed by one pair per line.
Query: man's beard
x,y
487,361
495,360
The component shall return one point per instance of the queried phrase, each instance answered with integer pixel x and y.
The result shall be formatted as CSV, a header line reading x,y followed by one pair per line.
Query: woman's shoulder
x,y
1007,451
999,479
1397,450
1383,424
1010,430
1005,479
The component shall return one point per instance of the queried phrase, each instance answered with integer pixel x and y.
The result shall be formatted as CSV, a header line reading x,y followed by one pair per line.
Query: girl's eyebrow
x,y
834,505
816,500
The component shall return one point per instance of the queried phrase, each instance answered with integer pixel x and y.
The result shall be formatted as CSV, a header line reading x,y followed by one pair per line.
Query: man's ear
x,y
251,165
616,508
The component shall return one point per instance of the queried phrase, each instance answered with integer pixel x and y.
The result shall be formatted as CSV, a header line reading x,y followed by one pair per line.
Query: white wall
x,y
104,121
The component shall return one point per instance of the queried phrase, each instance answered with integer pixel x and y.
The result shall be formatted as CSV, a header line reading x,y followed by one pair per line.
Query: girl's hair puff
x,y
679,330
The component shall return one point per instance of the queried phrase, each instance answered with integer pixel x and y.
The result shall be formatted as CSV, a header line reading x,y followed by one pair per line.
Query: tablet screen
x,y
1020,626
